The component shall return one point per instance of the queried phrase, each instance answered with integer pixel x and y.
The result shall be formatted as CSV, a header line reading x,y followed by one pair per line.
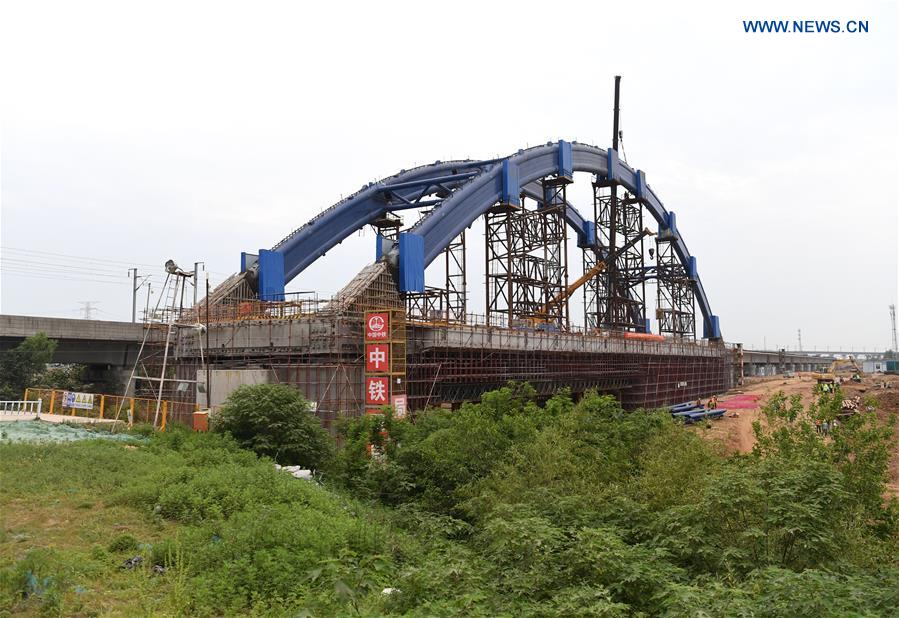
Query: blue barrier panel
x,y
271,275
511,192
412,262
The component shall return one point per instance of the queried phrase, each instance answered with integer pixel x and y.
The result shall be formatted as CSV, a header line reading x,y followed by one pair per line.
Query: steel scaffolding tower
x,y
449,303
526,260
456,280
498,268
615,298
675,309
555,250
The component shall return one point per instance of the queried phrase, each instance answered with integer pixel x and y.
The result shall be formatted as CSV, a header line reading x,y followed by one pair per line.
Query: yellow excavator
x,y
827,381
542,314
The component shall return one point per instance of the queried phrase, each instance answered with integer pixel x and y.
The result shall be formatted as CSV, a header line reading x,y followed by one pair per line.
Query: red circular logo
x,y
376,323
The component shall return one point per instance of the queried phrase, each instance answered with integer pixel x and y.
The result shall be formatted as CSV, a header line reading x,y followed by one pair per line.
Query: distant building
x,y
874,366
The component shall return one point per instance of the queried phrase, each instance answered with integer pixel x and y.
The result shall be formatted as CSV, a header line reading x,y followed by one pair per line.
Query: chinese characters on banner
x,y
377,360
399,405
377,326
377,390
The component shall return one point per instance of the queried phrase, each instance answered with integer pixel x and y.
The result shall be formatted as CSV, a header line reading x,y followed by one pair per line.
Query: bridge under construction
x,y
393,336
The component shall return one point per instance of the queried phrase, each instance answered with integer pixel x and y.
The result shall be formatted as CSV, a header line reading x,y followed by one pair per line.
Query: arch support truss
x,y
459,192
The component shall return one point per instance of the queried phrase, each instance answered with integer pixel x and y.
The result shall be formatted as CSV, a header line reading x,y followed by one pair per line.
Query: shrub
x,y
21,365
275,421
123,542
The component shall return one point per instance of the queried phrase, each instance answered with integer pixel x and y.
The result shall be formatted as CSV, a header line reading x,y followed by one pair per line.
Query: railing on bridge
x,y
298,307
295,305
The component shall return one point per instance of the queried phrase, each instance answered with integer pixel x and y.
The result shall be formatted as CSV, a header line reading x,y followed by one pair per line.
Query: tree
x,y
63,377
20,365
275,420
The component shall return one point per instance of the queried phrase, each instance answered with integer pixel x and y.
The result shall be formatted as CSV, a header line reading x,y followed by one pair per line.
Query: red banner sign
x,y
377,326
377,391
377,358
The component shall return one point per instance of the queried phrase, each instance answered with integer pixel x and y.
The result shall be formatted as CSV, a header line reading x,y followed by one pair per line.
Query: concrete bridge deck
x,y
88,342
115,344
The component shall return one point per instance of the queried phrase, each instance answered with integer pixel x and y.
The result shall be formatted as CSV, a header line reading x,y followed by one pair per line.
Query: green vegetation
x,y
505,507
26,366
275,421
21,365
63,377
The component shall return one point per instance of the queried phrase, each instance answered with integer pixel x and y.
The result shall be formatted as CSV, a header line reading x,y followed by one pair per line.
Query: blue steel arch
x,y
460,192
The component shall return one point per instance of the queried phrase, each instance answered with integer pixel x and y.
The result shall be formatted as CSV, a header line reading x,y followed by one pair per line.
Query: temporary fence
x,y
103,406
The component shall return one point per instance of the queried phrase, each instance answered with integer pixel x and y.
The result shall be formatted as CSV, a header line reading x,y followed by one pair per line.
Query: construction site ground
x,y
734,430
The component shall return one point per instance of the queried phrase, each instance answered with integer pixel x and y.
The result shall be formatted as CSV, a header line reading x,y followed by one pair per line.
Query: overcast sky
x,y
133,133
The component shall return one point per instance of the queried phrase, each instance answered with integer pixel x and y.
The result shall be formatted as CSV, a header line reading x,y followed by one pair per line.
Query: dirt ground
x,y
734,431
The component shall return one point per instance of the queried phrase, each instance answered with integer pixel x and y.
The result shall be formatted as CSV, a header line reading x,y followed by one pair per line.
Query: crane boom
x,y
595,270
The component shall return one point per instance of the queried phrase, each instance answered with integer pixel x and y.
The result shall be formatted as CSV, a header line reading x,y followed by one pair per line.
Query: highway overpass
x,y
87,342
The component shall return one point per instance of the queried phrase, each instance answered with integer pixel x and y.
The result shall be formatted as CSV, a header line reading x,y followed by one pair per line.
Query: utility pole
x,y
134,287
893,323
147,308
197,278
208,370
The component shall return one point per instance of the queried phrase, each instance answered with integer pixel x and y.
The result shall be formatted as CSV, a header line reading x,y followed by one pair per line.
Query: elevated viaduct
x,y
109,349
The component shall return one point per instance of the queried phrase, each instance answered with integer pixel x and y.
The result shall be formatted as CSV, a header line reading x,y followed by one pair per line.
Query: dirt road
x,y
734,431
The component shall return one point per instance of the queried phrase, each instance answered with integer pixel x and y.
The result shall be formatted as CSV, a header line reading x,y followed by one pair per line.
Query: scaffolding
x,y
318,346
527,260
675,307
616,298
554,242
456,279
449,303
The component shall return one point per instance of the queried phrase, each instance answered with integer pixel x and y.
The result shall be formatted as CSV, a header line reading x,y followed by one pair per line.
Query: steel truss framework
x,y
449,303
615,298
461,191
675,309
527,260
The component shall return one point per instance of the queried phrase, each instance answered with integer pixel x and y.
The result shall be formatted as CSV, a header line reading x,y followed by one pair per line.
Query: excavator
x,y
828,381
541,317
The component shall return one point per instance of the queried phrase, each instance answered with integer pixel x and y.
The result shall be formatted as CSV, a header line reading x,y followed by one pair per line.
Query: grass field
x,y
503,508
211,515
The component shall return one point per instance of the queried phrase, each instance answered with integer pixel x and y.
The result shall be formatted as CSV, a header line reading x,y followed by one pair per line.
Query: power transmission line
x,y
73,257
33,275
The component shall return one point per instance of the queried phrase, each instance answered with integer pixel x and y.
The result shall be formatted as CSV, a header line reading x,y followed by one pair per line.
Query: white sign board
x,y
80,401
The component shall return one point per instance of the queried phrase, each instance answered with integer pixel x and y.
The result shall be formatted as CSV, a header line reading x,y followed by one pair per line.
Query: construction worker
x,y
713,402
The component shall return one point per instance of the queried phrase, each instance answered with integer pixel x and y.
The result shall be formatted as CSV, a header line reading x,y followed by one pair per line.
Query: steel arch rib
x,y
471,197
474,198
311,241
